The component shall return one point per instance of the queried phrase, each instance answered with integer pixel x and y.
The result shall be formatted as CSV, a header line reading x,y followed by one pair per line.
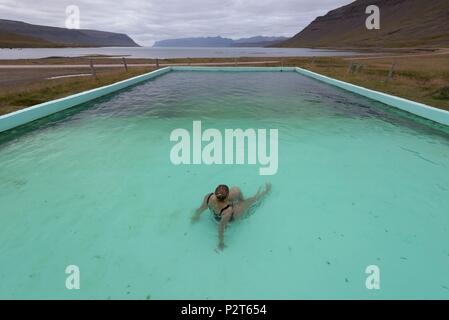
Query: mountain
x,y
404,23
195,42
259,41
53,36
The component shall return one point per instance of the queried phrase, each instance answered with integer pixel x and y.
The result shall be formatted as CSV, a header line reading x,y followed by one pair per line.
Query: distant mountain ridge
x,y
54,36
219,42
258,41
404,23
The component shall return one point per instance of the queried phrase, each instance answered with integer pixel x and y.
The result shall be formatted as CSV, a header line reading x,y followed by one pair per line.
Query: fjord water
x,y
358,184
169,53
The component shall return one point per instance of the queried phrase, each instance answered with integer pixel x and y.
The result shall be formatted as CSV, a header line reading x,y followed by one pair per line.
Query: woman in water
x,y
228,205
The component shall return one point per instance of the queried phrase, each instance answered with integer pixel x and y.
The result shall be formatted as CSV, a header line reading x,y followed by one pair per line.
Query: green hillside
x,y
12,40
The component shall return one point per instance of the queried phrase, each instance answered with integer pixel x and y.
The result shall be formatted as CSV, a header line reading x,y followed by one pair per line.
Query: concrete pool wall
x,y
21,117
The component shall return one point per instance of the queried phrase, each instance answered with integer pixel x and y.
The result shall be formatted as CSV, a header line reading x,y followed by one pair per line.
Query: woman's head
x,y
222,192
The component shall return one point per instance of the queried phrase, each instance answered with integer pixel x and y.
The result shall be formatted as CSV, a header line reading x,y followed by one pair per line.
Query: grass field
x,y
13,98
422,78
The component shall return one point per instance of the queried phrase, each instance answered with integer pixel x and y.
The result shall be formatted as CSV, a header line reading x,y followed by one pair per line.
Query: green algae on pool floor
x,y
358,184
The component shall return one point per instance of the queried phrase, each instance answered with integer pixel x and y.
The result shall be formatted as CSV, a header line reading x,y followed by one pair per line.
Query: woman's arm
x,y
227,214
201,209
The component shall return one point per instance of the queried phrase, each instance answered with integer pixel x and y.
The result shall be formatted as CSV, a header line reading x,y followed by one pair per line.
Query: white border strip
x,y
233,69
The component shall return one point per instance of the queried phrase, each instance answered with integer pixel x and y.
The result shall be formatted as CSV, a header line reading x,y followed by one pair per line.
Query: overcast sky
x,y
149,20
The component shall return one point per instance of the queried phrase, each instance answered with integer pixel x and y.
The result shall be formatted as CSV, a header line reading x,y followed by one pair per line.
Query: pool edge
x,y
233,69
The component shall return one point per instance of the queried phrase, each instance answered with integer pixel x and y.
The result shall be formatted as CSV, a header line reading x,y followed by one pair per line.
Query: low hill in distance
x,y
259,41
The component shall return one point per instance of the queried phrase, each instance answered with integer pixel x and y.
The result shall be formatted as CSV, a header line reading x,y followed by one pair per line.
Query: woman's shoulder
x,y
210,197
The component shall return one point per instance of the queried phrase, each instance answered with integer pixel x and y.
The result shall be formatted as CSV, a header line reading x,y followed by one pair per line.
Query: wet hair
x,y
222,192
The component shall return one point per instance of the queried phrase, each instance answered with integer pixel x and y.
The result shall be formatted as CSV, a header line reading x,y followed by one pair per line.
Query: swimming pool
x,y
358,184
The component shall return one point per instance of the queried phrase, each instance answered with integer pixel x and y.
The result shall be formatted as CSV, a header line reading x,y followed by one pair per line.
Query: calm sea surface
x,y
167,53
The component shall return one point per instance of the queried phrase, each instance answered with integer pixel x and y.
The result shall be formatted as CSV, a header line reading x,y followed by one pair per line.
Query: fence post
x,y
157,63
92,69
125,64
350,67
391,72
354,68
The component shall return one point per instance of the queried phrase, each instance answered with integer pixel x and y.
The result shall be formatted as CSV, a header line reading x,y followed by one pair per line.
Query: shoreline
x,y
353,53
173,52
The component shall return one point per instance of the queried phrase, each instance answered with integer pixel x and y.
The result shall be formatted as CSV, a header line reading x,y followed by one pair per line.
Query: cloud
x,y
147,21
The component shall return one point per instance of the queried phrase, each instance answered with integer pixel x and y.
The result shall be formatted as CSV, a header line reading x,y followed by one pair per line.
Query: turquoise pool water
x,y
358,184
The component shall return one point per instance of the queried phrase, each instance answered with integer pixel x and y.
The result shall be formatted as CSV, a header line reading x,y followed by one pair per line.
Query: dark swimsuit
x,y
218,216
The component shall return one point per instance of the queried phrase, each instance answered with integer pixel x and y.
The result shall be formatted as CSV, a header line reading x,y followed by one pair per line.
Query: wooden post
x,y
157,63
125,64
391,72
350,67
92,69
354,67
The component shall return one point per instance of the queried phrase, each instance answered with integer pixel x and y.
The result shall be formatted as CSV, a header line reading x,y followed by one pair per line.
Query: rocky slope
x,y
404,23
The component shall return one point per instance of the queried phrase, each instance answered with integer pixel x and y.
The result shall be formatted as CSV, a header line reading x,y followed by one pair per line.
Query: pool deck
x,y
21,117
